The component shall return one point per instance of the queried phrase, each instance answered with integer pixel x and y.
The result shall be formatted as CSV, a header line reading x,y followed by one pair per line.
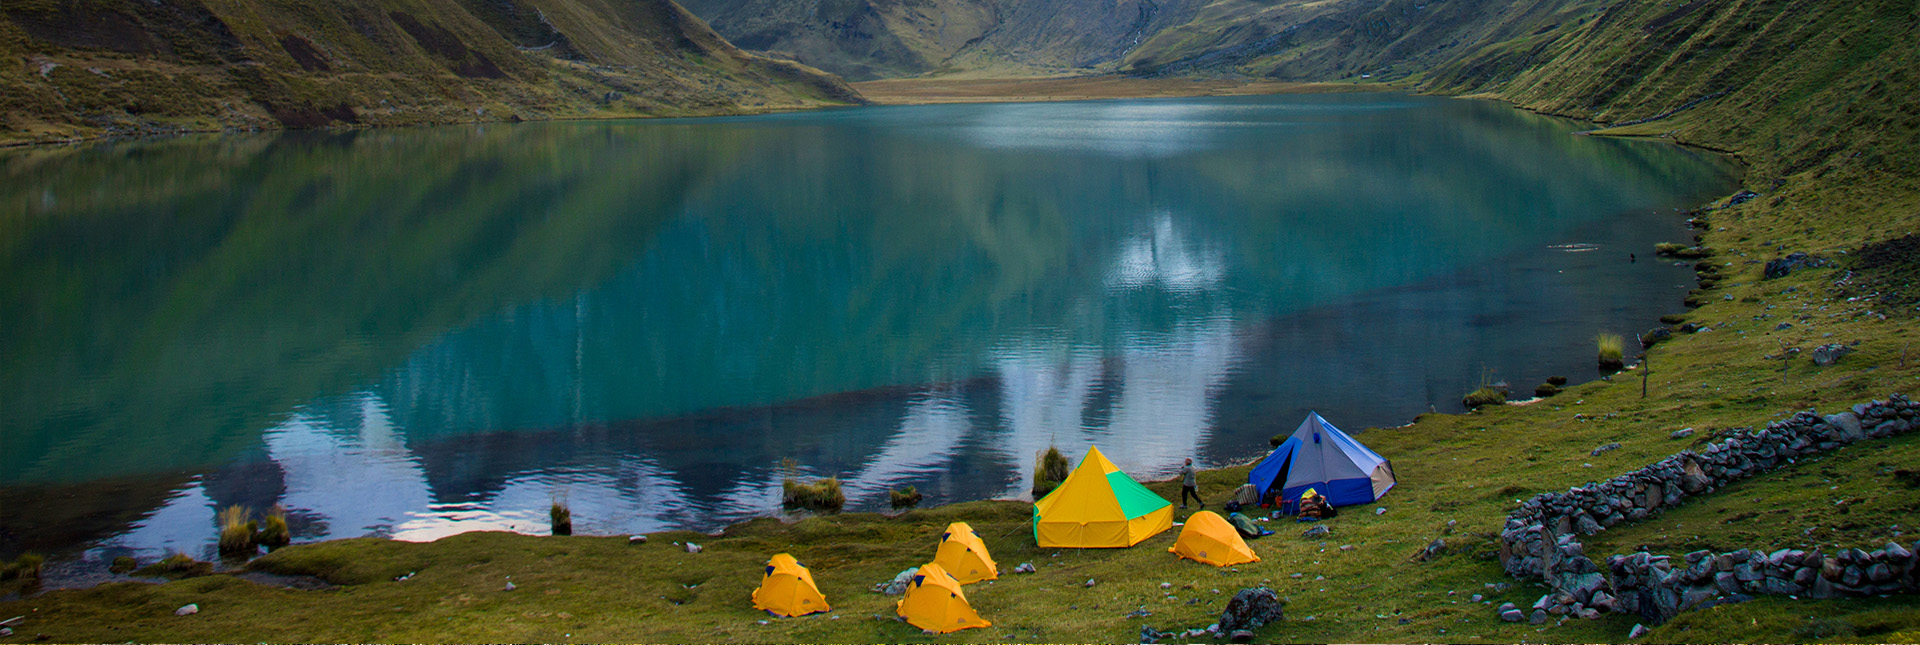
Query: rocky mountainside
x,y
1288,39
83,67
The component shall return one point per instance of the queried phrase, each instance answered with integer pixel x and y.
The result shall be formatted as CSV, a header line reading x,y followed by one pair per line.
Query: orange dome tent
x,y
787,589
934,602
1208,538
964,556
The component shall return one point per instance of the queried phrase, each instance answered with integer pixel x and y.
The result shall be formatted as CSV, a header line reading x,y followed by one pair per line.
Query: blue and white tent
x,y
1321,457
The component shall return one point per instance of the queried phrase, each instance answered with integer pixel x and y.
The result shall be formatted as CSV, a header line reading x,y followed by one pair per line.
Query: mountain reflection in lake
x,y
424,331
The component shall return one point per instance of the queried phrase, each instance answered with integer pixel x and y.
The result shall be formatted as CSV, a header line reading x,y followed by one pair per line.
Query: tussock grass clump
x,y
123,564
819,494
1051,468
273,532
1682,251
1486,395
236,531
561,516
176,566
905,497
1673,319
1610,348
25,567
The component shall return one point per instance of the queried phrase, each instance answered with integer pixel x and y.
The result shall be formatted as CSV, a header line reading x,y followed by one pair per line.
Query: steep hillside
x,y
87,67
1285,39
858,39
1809,93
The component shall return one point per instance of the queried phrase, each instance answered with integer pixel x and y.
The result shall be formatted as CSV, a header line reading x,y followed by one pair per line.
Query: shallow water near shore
x,y
417,332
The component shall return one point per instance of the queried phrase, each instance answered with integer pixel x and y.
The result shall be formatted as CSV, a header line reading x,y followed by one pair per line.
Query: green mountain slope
x,y
1290,39
123,66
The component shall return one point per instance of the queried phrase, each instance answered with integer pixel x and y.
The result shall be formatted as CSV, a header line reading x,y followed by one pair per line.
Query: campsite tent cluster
x,y
1099,506
934,600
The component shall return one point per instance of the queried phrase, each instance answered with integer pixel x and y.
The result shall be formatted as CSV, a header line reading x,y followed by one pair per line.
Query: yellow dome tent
x,y
1099,506
1209,538
934,602
787,589
964,556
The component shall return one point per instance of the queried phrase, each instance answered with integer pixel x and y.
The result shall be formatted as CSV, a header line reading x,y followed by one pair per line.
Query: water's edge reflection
x,y
642,319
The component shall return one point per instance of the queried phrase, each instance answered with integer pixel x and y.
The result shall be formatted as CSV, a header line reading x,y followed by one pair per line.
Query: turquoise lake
x,y
416,332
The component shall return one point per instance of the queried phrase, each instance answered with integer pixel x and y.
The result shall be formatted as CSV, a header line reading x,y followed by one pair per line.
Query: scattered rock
x,y
1150,635
1475,598
898,585
1638,631
1380,511
1024,567
1346,547
1512,615
1681,433
1655,336
1251,608
1241,636
6,631
1432,550
1090,583
188,610
510,587
636,539
1539,617
1829,354
693,548
1316,531
1603,449
1166,585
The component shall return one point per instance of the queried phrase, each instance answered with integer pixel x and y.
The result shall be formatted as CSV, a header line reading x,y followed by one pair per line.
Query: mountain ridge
x,y
92,67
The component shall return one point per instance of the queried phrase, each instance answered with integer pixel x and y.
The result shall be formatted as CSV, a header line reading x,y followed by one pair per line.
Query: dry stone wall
x,y
1657,588
1541,538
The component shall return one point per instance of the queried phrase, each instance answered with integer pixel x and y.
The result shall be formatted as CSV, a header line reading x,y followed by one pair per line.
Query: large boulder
x,y
1829,354
1781,267
1252,608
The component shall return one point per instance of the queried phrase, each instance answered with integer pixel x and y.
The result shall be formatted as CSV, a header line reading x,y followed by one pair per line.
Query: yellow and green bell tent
x,y
1099,507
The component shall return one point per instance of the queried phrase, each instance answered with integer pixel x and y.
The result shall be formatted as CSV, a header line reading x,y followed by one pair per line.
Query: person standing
x,y
1189,485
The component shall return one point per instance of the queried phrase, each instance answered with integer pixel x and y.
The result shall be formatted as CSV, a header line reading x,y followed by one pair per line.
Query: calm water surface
x,y
417,332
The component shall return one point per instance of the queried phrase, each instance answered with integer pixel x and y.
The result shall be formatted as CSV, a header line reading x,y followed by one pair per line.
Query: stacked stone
x,y
1654,587
1538,541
